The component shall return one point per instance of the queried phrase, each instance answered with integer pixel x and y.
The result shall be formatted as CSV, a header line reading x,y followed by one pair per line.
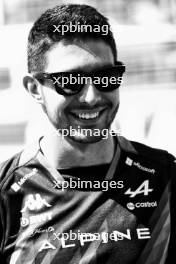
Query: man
x,y
77,196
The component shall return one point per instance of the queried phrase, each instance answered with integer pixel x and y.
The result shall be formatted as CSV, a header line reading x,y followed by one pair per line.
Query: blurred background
x,y
145,32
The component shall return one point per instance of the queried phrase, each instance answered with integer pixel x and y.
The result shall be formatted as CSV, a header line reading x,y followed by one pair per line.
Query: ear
x,y
33,88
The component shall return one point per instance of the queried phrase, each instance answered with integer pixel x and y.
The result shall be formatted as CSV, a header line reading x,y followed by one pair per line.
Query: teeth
x,y
88,116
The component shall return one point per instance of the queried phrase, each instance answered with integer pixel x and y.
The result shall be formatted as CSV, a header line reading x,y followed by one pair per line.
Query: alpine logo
x,y
130,162
35,202
17,185
132,206
142,189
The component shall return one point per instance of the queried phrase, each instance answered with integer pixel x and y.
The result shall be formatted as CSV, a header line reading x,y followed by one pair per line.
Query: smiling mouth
x,y
87,115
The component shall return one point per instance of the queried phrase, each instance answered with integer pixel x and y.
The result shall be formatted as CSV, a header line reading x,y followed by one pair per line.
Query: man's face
x,y
90,108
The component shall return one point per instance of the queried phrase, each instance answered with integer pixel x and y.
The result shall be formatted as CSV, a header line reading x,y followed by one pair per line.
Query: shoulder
x,y
9,165
18,160
145,152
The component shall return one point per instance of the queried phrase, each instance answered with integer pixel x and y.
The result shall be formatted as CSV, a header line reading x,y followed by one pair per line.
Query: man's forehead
x,y
67,56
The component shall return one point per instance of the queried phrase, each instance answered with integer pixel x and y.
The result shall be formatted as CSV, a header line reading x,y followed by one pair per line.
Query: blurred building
x,y
124,11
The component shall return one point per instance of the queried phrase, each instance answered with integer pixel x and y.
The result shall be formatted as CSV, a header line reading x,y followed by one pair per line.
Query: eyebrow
x,y
94,69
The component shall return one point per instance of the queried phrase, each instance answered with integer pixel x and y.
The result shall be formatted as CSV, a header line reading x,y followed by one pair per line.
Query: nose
x,y
89,94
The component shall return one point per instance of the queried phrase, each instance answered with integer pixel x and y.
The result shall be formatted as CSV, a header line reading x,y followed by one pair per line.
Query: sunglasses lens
x,y
109,79
67,83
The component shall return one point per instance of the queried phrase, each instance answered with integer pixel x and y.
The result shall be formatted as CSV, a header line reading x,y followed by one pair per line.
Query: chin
x,y
85,139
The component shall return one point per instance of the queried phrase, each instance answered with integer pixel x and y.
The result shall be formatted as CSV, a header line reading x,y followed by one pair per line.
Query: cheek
x,y
53,102
115,100
113,97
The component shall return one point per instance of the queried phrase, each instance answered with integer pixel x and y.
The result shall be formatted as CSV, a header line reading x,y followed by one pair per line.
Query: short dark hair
x,y
42,36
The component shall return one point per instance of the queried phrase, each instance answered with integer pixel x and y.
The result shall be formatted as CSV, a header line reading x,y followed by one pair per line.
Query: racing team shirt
x,y
112,213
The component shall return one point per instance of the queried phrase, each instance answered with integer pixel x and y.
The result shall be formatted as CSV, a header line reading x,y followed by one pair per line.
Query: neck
x,y
62,153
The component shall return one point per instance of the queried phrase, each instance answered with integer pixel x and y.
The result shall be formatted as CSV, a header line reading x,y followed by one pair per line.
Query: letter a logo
x,y
143,188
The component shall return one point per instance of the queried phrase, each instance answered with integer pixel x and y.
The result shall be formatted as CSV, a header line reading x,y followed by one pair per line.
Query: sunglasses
x,y
104,79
